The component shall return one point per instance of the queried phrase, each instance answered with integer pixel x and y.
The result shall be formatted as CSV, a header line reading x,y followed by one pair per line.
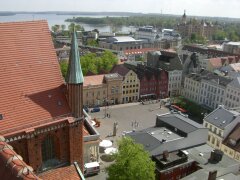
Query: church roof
x,y
32,90
11,164
74,73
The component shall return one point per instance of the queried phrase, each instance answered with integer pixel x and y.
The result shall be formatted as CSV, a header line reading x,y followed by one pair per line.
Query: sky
x,y
222,8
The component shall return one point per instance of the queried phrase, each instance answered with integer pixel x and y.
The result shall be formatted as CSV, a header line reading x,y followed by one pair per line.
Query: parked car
x,y
91,168
95,109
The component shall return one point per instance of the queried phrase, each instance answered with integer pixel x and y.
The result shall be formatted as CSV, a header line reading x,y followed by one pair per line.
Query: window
x,y
206,124
48,151
209,137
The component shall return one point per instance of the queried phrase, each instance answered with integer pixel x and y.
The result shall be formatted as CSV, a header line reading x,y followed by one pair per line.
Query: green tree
x,y
219,35
92,42
54,28
63,27
64,67
77,27
132,162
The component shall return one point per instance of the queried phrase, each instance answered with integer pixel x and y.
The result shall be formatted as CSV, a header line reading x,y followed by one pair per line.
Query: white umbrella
x,y
105,143
111,151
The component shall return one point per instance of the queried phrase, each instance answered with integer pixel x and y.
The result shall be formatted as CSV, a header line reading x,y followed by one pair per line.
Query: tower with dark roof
x,y
184,17
74,80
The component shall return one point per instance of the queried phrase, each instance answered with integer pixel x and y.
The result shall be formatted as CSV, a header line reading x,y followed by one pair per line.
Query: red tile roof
x,y
93,80
12,167
68,173
220,61
30,78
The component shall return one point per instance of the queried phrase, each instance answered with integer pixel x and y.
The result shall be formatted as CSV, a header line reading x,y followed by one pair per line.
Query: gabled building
x,y
231,144
99,90
153,81
170,62
36,118
220,123
130,83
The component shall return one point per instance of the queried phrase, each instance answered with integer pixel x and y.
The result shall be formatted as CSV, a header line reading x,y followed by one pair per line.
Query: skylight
x,y
1,117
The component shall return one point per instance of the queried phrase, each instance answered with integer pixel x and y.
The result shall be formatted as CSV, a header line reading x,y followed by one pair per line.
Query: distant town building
x,y
121,43
232,47
147,33
211,64
203,28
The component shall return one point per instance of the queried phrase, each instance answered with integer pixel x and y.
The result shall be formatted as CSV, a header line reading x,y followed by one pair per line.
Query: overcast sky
x,y
223,8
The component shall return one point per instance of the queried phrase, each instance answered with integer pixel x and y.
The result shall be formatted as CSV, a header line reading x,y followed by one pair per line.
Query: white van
x,y
91,168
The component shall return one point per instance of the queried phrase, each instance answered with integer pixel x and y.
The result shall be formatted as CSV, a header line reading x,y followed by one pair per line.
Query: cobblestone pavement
x,y
128,116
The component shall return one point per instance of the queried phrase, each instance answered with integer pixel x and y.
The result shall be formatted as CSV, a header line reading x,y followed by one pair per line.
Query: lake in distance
x,y
60,19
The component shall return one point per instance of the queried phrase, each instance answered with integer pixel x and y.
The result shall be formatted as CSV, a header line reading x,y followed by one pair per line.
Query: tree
x,y
132,162
64,67
63,27
219,35
77,27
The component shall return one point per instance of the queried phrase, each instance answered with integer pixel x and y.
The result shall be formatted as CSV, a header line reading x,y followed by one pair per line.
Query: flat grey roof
x,y
180,122
221,117
153,137
205,150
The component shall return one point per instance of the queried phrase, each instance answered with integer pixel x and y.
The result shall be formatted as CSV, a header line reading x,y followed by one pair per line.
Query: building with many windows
x,y
99,90
172,64
220,123
121,43
130,84
232,47
193,26
206,88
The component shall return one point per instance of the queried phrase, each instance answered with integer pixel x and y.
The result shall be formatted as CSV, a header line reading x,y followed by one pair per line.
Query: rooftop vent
x,y
224,122
1,117
216,118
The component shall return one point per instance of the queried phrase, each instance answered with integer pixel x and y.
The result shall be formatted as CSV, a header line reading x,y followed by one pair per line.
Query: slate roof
x,y
182,123
120,69
209,76
30,78
221,117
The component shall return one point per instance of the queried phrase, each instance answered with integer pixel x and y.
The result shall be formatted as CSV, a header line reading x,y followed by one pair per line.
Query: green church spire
x,y
74,72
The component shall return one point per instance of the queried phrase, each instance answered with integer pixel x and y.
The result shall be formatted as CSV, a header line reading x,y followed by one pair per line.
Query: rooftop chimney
x,y
165,155
212,175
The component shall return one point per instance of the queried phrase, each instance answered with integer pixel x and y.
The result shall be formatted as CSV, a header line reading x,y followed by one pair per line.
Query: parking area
x,y
128,117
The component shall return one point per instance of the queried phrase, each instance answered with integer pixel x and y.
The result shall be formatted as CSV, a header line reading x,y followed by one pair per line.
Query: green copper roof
x,y
74,73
